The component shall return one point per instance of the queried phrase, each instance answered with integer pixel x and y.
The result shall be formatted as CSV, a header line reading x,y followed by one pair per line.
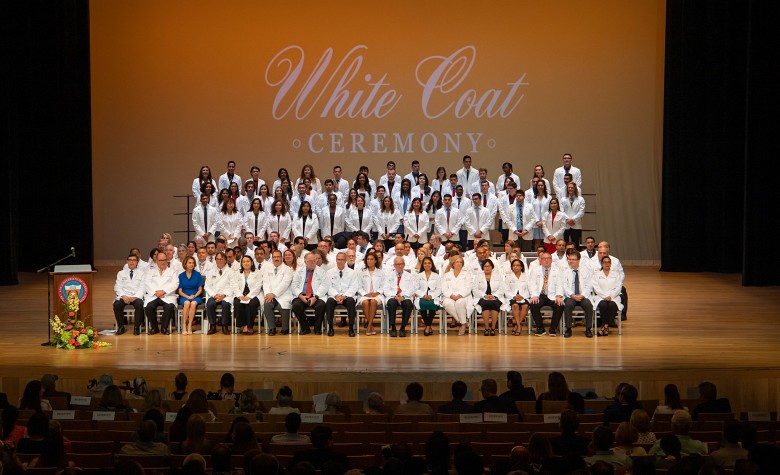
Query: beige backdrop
x,y
176,85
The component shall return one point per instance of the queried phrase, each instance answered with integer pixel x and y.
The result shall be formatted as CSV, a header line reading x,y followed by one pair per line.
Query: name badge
x,y
470,418
80,400
103,415
63,415
495,417
759,417
311,418
552,418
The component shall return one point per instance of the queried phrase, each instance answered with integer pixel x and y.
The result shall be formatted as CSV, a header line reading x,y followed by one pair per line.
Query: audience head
x,y
570,422
247,402
576,402
557,386
333,400
292,422
514,380
414,392
672,396
459,390
629,394
321,436
707,391
284,397
147,430
489,387
375,402
671,446
640,420
156,416
468,462
38,425
602,438
220,458
626,434
681,422
180,381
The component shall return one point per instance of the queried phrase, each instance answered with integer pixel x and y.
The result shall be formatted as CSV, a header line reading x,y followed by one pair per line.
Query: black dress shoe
x,y
212,330
567,333
272,332
330,332
136,331
402,333
283,332
318,332
393,333
165,331
305,331
226,329
153,331
351,332
120,331
589,333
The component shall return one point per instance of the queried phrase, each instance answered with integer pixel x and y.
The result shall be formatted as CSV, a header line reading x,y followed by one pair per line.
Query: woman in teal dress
x,y
190,290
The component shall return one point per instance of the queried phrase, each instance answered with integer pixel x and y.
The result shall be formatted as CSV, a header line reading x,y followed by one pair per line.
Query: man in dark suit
x,y
708,395
457,405
491,402
620,410
569,443
517,392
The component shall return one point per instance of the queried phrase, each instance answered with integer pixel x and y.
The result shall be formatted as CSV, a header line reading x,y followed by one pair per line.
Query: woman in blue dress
x,y
190,290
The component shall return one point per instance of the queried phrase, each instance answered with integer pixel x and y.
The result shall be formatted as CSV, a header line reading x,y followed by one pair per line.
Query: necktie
x,y
206,218
406,202
571,200
576,282
544,285
131,275
276,270
341,274
220,272
467,174
448,217
485,202
246,285
519,213
257,216
308,290
398,292
477,215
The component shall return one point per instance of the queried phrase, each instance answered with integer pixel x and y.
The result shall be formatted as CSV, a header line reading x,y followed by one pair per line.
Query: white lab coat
x,y
319,283
462,285
451,226
428,286
221,284
500,181
278,284
509,217
124,285
558,184
514,286
566,282
231,225
481,224
419,193
339,224
308,229
554,226
224,182
536,281
255,281
366,280
416,224
386,222
196,191
409,285
606,286
282,224
496,288
353,223
346,285
574,210
198,220
257,225
167,282
470,184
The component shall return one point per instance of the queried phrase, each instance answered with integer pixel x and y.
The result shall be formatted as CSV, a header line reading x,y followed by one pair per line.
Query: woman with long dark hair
x,y
429,292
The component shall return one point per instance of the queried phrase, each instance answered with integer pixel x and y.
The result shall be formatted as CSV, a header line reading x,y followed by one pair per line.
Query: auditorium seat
x,y
93,447
91,460
368,417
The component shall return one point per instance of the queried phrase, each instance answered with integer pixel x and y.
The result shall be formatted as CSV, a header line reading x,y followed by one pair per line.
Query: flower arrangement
x,y
72,334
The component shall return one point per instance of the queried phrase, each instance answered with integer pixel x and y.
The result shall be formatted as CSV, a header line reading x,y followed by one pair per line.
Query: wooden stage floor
x,y
682,328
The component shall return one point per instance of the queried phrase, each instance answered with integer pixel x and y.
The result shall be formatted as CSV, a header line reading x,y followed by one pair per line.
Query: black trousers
x,y
299,310
536,312
427,316
608,311
151,314
624,301
573,235
568,306
348,303
245,312
211,311
406,311
119,314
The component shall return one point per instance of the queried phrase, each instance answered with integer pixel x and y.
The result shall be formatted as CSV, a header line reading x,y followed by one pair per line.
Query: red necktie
x,y
485,205
308,283
398,292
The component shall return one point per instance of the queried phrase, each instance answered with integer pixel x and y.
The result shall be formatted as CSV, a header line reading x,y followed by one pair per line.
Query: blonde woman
x,y
457,285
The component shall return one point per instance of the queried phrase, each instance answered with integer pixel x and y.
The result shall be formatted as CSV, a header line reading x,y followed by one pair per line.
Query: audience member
x,y
624,405
284,399
557,390
180,393
31,398
292,424
321,453
602,447
731,451
414,394
625,438
37,430
517,392
672,401
569,443
146,444
196,441
709,401
49,385
375,403
112,401
641,422
243,437
491,402
332,404
681,426
457,405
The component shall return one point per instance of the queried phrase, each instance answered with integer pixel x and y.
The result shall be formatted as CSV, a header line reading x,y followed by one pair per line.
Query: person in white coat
x,y
429,296
229,177
323,200
477,221
540,204
342,290
309,286
543,287
248,292
244,202
606,295
205,220
448,222
256,220
567,168
573,206
360,218
516,294
203,177
422,189
231,222
489,201
416,223
161,284
518,218
371,286
508,173
488,293
386,222
457,285
129,289
468,177
299,198
277,279
332,221
553,225
306,225
307,171
220,289
280,221
574,288
400,288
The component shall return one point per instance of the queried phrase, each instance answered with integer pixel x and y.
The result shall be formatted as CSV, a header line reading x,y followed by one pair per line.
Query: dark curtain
x,y
46,145
715,107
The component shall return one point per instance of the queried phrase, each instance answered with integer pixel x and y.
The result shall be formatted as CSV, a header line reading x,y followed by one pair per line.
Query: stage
x,y
682,328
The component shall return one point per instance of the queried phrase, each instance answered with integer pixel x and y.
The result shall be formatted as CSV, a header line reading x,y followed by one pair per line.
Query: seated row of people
x,y
433,277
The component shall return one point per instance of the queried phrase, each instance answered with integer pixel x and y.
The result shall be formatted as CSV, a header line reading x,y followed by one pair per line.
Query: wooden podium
x,y
75,280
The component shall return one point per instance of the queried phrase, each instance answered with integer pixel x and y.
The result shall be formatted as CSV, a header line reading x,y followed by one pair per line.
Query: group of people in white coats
x,y
412,205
